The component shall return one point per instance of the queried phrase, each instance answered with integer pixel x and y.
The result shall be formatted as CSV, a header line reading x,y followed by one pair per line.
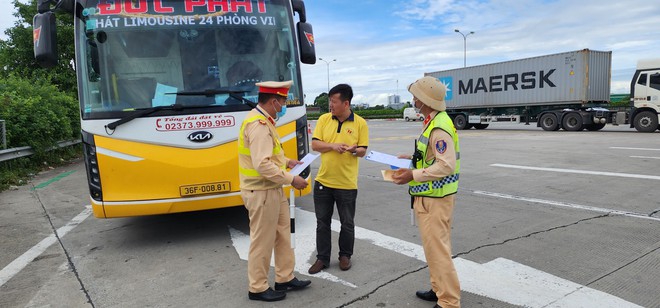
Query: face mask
x,y
282,112
279,114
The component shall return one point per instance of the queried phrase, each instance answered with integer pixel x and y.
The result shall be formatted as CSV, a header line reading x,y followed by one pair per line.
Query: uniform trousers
x,y
269,229
434,216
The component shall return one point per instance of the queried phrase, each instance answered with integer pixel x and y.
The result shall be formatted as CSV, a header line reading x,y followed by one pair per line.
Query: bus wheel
x,y
549,122
480,126
572,122
595,127
460,122
646,122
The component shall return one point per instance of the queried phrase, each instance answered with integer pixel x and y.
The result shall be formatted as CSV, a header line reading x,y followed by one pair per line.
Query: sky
x,y
381,46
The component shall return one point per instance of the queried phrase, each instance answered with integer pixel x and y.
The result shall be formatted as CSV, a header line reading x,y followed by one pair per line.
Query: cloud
x,y
424,39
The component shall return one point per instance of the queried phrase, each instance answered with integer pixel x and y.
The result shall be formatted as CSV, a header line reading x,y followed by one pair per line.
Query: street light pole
x,y
328,64
464,45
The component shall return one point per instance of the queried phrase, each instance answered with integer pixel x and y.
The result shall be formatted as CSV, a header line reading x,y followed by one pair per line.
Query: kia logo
x,y
200,136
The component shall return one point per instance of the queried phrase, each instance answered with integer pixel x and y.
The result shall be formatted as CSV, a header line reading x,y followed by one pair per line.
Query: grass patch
x,y
20,171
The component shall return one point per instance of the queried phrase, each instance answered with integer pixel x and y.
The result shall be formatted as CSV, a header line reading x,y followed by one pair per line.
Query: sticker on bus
x,y
203,189
194,122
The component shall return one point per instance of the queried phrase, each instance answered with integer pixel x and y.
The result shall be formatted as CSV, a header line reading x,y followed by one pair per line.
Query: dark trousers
x,y
324,203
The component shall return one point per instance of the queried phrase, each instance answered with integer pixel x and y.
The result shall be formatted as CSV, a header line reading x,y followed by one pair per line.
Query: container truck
x,y
569,91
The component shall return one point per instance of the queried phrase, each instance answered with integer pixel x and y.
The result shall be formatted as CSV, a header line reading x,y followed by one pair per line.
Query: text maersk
x,y
499,83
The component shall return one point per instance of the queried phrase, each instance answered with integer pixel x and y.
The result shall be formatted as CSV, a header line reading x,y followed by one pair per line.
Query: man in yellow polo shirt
x,y
341,136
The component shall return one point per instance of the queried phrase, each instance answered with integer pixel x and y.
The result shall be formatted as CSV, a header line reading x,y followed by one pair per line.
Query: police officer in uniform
x,y
433,183
262,170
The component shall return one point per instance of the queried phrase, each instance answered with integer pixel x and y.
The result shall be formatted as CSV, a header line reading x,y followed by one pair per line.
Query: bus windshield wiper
x,y
141,113
234,92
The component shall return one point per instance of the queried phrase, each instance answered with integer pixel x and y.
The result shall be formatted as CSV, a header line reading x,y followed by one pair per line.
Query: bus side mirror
x,y
299,7
44,34
306,43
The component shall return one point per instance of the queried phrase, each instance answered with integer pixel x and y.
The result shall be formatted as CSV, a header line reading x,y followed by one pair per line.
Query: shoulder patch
x,y
441,146
262,122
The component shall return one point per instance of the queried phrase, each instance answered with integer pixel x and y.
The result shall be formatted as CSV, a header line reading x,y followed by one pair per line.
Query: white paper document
x,y
306,161
388,159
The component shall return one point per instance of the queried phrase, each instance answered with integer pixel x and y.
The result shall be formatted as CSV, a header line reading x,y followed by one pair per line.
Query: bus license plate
x,y
203,189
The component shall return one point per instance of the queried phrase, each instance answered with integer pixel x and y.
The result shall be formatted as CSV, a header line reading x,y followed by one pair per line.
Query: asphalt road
x,y
543,219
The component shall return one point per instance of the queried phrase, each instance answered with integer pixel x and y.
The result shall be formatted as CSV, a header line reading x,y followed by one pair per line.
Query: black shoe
x,y
427,295
294,284
269,295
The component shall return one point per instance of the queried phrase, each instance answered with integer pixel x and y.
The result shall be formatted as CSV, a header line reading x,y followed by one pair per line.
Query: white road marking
x,y
567,205
651,157
623,175
638,149
305,246
499,279
21,262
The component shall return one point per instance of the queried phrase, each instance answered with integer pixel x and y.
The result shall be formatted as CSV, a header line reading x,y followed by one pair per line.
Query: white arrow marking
x,y
500,279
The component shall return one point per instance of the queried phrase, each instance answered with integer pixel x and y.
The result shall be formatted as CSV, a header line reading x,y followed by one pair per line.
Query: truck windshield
x,y
140,54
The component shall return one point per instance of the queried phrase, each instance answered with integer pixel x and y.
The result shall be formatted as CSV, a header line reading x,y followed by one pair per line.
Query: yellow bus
x,y
164,86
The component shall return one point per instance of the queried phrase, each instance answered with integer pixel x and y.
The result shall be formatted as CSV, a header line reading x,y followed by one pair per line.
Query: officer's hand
x,y
404,156
299,182
292,163
402,176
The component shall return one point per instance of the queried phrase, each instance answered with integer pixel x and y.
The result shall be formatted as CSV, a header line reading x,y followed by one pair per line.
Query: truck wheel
x,y
407,119
595,127
572,122
460,122
549,122
421,118
646,122
480,126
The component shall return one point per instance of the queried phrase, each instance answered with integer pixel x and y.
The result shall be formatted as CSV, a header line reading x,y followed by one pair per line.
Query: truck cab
x,y
645,96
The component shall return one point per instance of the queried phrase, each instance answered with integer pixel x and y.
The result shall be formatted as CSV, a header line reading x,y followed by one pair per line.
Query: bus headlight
x,y
92,166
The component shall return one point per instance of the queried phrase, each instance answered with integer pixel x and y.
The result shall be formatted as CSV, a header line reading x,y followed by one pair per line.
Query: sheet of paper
x,y
306,161
387,175
162,99
388,159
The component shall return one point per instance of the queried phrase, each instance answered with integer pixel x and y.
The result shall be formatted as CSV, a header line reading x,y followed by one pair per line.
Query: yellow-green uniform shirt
x,y
340,170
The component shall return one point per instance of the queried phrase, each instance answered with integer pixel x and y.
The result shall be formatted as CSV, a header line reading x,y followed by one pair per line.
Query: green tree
x,y
37,114
17,53
322,102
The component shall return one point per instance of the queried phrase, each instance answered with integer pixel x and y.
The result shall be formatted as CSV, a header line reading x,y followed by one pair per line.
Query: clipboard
x,y
388,159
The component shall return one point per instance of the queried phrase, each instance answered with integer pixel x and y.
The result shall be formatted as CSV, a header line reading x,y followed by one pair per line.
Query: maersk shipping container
x,y
576,77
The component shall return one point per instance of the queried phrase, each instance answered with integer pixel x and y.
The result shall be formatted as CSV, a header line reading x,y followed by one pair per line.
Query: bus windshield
x,y
143,54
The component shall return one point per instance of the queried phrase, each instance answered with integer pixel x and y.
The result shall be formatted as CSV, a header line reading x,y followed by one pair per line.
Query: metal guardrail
x,y
3,134
14,153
